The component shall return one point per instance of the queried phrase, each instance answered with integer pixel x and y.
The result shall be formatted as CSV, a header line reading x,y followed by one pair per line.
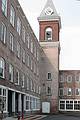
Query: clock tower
x,y
49,29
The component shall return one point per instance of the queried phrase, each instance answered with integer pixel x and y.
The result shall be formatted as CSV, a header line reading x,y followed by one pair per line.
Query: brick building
x,y
29,69
19,60
69,90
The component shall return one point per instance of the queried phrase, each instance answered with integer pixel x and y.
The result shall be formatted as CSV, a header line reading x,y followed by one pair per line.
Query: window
x,y
27,83
49,76
31,46
69,105
62,105
61,78
69,78
23,34
35,51
76,105
23,79
23,56
17,77
37,55
10,72
49,90
37,70
39,90
31,64
77,91
4,7
11,42
61,92
69,91
34,67
3,96
31,85
12,16
48,34
28,40
18,50
3,33
27,102
18,26
2,67
28,60
77,78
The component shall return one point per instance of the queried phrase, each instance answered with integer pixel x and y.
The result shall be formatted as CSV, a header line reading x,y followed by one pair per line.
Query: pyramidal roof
x,y
49,12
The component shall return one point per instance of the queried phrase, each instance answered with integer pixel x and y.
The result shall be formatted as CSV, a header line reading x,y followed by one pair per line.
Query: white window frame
x,y
78,91
48,76
48,31
2,65
69,76
11,41
23,34
3,32
77,75
17,77
4,7
23,80
28,39
11,72
27,83
69,91
32,46
19,25
18,50
12,16
23,56
4,97
62,90
61,78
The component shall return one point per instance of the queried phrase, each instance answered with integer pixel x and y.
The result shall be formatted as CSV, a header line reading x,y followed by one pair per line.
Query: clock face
x,y
48,11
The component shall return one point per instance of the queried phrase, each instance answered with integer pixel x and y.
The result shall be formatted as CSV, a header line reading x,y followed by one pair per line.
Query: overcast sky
x,y
69,10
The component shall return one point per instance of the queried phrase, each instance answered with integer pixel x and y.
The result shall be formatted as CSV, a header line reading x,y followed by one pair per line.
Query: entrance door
x,y
45,107
10,102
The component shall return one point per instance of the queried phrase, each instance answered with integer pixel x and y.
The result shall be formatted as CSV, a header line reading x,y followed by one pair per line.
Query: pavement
x,y
32,117
68,116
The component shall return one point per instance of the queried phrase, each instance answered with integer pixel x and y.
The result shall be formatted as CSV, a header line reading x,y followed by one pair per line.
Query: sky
x,y
69,11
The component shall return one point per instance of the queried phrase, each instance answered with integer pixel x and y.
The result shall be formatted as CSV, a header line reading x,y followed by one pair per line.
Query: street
x,y
61,117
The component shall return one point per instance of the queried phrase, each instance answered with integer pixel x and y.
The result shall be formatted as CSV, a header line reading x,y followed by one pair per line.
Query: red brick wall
x,y
55,27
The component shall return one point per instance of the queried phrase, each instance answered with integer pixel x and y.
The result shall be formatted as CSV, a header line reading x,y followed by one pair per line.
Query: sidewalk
x,y
32,117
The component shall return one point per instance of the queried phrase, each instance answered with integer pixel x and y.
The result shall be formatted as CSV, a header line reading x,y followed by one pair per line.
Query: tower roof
x,y
49,12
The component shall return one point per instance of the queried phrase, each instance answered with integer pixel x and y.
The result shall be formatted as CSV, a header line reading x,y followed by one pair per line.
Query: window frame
x,y
48,31
4,7
12,15
11,72
3,66
3,32
11,42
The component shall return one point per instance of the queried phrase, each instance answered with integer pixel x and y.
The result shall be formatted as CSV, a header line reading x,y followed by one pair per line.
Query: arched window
x,y
2,67
48,34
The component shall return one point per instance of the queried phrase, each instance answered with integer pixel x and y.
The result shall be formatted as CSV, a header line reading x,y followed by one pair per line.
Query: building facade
x,y
69,90
19,61
49,26
29,69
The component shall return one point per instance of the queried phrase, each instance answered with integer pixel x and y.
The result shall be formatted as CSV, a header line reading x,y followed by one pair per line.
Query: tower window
x,y
48,34
49,76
